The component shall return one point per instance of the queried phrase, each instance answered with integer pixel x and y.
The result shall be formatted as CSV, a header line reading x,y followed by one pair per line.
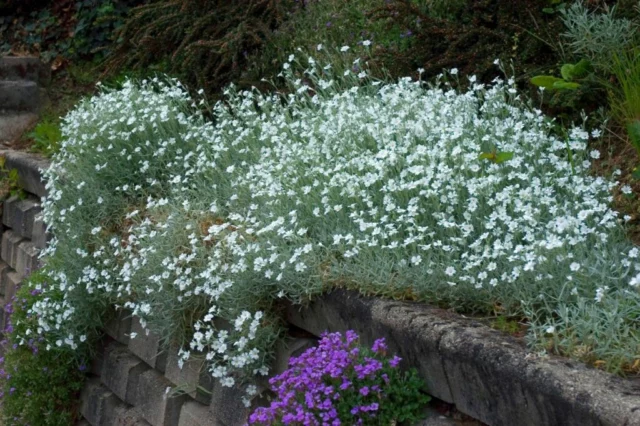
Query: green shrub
x,y
204,42
40,382
597,36
469,38
65,30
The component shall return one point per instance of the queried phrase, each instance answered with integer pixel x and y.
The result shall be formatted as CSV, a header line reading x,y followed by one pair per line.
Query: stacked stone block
x,y
135,381
22,236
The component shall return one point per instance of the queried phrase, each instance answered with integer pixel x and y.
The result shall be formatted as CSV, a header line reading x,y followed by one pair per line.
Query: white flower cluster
x,y
398,189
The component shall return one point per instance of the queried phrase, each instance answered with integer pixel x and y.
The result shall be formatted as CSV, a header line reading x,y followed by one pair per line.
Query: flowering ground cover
x,y
339,383
470,199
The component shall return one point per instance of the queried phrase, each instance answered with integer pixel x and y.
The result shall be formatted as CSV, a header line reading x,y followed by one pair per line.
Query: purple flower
x,y
395,361
307,390
379,346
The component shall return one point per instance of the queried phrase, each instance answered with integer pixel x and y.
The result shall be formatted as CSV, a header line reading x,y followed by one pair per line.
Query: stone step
x,y
24,68
15,124
21,96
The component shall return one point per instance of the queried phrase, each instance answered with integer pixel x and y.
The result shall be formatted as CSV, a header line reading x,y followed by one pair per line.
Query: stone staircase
x,y
23,83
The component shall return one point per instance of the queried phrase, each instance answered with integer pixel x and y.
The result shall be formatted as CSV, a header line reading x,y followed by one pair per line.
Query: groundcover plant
x,y
401,189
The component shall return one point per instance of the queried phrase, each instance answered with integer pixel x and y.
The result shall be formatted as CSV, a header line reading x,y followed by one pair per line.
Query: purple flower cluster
x,y
335,383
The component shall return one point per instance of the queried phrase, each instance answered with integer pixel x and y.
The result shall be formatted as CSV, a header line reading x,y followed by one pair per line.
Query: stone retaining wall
x,y
22,231
134,380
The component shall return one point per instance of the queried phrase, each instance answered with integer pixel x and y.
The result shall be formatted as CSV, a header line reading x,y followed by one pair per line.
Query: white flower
x,y
550,330
450,271
453,71
574,266
344,48
366,43
595,154
600,293
626,189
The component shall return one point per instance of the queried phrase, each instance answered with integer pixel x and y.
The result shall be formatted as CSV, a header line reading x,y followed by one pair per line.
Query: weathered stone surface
x,y
29,167
19,215
7,209
4,270
486,374
195,414
288,349
192,377
11,285
20,96
27,259
154,402
147,346
129,416
24,68
9,252
97,363
4,316
434,418
119,326
14,124
227,407
98,405
39,234
121,370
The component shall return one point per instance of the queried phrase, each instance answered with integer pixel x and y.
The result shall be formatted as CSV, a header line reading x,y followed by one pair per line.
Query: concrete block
x,y
14,124
195,414
129,416
97,404
118,326
147,346
29,167
121,370
97,363
227,407
9,250
4,270
25,68
19,215
192,378
153,399
39,235
4,315
7,209
20,96
27,259
288,349
11,285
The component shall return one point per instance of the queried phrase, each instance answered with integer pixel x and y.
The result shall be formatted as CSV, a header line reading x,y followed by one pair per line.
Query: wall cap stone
x,y
487,374
30,167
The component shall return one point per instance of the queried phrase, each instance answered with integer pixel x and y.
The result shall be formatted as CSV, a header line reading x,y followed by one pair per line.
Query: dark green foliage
x,y
470,40
204,42
63,30
40,387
